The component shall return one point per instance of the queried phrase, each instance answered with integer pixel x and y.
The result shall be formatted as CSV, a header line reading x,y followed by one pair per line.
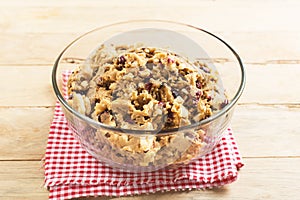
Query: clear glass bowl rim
x,y
226,109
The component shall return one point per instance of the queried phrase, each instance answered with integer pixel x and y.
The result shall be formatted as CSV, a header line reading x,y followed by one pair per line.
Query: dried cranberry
x,y
148,86
121,60
170,60
161,103
223,104
208,98
198,84
198,94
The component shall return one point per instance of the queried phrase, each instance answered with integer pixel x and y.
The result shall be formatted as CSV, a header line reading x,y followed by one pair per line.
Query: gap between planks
x,y
270,47
25,131
274,179
273,105
244,157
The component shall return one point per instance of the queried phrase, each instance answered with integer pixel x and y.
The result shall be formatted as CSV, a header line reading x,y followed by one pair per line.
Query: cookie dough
x,y
146,88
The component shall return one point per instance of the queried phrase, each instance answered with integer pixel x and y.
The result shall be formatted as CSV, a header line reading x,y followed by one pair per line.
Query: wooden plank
x,y
29,86
265,34
272,84
22,180
57,16
267,130
273,178
260,179
43,48
24,131
24,49
265,47
36,49
28,29
266,84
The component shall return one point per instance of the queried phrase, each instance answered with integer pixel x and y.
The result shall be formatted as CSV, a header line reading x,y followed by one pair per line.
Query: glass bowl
x,y
135,149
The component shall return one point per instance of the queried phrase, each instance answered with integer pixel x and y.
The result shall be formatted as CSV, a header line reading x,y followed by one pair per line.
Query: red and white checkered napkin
x,y
71,172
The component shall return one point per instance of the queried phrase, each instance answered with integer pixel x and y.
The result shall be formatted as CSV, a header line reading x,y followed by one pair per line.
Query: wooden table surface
x,y
266,120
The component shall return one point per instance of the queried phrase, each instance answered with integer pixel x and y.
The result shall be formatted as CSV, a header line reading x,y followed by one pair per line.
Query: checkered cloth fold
x,y
70,172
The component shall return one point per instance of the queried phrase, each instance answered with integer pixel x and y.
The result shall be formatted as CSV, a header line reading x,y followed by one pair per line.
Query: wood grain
x,y
29,86
24,131
272,84
267,131
22,180
28,29
266,121
43,48
232,16
256,178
